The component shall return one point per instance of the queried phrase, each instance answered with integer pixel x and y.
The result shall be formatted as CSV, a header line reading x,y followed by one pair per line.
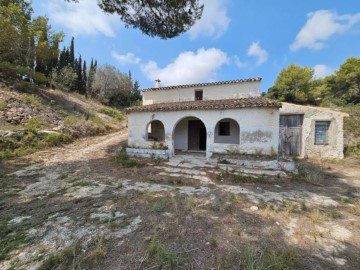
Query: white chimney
x,y
157,83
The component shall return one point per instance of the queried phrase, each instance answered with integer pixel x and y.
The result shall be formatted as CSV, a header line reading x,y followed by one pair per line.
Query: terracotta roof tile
x,y
258,79
253,102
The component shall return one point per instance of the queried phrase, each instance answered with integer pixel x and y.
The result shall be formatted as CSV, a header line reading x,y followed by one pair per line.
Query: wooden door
x,y
196,135
290,134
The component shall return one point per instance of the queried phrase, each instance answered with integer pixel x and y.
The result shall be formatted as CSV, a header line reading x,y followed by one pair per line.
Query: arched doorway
x,y
190,135
155,131
227,131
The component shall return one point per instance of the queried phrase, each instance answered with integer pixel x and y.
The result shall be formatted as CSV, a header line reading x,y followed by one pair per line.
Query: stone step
x,y
253,171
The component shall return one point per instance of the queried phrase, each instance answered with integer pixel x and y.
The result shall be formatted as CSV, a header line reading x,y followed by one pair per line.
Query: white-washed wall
x,y
215,92
259,129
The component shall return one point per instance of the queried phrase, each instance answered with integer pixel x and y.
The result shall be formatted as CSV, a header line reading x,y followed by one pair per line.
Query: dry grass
x,y
317,217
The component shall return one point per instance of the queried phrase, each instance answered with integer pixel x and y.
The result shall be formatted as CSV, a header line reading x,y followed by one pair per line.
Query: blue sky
x,y
235,39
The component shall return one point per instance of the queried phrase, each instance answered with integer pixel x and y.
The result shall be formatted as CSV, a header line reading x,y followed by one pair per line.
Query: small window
x,y
321,132
198,94
224,129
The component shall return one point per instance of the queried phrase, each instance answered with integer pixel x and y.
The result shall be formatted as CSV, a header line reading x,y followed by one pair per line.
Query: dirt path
x,y
75,207
84,149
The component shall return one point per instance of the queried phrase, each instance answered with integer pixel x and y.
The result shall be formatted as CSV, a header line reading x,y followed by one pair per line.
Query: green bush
x,y
3,105
352,150
33,125
33,100
56,139
113,113
71,120
164,258
124,159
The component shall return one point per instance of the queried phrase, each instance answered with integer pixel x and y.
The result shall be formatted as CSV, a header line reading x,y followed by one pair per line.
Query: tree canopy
x,y
293,85
297,84
164,19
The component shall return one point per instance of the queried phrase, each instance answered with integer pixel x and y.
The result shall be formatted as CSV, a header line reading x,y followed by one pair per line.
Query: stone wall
x,y
334,148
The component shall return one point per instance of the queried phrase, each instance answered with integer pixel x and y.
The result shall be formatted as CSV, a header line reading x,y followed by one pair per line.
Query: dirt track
x,y
110,217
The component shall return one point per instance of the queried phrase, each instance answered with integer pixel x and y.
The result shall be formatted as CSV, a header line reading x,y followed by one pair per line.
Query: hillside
x,y
34,118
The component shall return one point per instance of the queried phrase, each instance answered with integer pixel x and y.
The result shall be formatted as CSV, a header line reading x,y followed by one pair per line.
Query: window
x,y
224,129
321,132
198,94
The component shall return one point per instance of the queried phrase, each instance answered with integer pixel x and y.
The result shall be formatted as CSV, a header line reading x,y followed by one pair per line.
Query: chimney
x,y
157,83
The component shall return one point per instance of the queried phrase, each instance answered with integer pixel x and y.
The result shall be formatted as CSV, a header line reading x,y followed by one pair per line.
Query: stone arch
x,y
227,131
189,134
155,131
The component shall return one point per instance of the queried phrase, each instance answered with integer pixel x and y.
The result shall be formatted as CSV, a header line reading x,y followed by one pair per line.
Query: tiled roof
x,y
258,79
252,102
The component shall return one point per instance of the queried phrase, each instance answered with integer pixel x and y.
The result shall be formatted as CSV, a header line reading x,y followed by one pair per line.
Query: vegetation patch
x,y
33,100
122,158
3,105
269,258
33,125
13,237
115,113
162,256
24,144
310,173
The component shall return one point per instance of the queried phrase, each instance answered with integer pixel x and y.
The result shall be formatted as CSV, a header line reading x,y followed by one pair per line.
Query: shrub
x,y
159,145
33,100
164,258
124,159
3,105
113,113
352,150
56,139
26,87
33,125
71,120
269,259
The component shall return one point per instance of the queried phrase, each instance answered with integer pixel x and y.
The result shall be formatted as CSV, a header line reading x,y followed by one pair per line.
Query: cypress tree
x,y
91,78
79,76
84,78
72,53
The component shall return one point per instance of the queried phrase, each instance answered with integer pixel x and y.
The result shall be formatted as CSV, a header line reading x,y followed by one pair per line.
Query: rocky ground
x,y
76,208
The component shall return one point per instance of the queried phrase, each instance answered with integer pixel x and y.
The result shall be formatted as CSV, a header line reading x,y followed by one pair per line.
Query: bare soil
x,y
76,208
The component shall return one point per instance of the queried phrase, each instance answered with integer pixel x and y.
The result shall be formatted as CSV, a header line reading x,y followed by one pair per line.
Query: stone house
x,y
226,117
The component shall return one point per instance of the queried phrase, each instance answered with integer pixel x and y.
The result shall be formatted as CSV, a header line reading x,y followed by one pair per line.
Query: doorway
x,y
189,135
290,134
196,135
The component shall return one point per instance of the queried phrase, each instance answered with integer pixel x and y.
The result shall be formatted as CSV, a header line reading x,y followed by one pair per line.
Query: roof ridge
x,y
250,102
257,79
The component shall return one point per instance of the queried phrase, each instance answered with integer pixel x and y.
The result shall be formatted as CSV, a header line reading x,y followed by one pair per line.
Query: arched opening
x,y
156,131
227,131
189,135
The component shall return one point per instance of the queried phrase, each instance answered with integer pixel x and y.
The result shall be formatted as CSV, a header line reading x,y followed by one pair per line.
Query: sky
x,y
234,39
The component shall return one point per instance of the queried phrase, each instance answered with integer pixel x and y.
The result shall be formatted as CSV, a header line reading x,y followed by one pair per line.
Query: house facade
x,y
308,131
220,117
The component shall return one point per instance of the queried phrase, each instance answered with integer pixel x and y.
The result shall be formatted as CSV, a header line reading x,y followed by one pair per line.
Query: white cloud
x,y
214,21
188,67
82,18
320,26
321,71
256,51
128,58
239,63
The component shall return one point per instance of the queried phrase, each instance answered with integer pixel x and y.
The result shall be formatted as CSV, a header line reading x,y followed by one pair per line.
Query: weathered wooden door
x,y
196,135
290,134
